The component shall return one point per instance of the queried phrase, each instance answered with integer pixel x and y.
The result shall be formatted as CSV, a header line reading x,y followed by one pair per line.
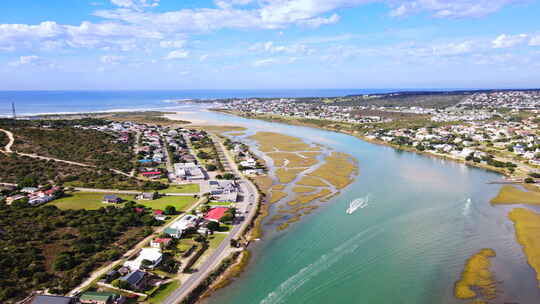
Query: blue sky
x,y
266,44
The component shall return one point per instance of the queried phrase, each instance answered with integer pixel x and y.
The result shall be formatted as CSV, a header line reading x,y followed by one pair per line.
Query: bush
x,y
529,180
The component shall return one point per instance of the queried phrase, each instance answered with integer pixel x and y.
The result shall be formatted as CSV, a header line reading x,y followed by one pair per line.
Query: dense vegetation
x,y
49,248
28,171
85,146
3,140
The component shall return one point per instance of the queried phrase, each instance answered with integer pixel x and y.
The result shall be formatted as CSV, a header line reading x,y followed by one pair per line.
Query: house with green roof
x,y
95,297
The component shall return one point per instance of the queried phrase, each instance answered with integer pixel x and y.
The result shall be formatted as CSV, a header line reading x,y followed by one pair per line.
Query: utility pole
x,y
13,110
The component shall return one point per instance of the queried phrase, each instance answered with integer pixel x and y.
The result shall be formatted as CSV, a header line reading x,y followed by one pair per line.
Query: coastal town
x,y
185,202
496,130
197,219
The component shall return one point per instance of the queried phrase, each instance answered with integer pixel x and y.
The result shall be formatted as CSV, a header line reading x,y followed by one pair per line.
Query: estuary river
x,y
425,217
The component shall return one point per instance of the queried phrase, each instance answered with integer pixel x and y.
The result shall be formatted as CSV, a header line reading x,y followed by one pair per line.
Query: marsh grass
x,y
337,170
527,224
286,176
512,195
311,181
270,141
292,160
303,189
477,276
277,196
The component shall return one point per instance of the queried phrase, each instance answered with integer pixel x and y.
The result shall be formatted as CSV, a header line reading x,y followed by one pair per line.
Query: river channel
x,y
424,218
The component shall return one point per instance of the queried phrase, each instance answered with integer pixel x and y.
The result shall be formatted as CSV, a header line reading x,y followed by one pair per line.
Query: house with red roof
x,y
215,214
160,242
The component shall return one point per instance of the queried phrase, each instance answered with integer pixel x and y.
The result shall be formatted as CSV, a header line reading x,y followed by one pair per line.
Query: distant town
x,y
497,130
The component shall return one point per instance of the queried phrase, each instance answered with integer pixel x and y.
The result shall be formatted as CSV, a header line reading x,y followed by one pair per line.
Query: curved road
x,y
250,200
7,148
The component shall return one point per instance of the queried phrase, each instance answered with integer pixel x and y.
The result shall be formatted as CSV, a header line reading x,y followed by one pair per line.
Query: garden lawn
x,y
226,204
181,203
216,239
163,292
187,188
85,200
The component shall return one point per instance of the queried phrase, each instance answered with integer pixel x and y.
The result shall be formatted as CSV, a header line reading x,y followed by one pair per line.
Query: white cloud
x,y
135,4
27,60
203,57
177,54
450,9
176,44
452,49
272,48
264,62
111,59
507,41
318,21
50,35
535,41
271,61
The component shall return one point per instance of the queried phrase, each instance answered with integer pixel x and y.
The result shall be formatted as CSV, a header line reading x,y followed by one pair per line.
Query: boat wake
x,y
323,263
358,203
467,207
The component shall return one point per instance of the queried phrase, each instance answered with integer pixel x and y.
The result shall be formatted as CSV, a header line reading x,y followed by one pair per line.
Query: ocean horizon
x,y
83,101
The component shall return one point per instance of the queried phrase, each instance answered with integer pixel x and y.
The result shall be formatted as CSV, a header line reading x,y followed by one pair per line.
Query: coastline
x,y
295,122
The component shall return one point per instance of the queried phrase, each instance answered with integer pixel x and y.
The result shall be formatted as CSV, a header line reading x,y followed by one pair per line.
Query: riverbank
x,y
373,141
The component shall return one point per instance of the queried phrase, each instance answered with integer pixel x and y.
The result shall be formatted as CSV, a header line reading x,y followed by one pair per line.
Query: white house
x,y
153,255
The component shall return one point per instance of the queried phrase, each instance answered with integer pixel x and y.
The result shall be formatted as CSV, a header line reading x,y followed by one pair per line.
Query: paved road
x,y
96,274
250,199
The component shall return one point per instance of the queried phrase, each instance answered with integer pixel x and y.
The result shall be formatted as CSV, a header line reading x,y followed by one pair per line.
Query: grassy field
x,y
512,195
527,223
226,204
92,201
216,239
187,188
163,292
85,200
181,203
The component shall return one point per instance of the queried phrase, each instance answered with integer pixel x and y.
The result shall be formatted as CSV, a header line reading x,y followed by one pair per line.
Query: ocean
x,y
41,102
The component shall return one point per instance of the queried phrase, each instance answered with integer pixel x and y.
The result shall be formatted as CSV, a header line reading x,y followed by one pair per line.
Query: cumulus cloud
x,y
177,54
50,34
507,41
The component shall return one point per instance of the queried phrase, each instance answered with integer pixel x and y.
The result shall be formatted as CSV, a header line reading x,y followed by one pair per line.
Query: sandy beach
x,y
189,116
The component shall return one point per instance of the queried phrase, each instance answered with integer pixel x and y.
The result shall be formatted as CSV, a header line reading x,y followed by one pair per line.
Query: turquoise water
x,y
407,246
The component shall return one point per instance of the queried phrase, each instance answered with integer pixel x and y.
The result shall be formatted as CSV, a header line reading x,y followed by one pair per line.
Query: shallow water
x,y
408,245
